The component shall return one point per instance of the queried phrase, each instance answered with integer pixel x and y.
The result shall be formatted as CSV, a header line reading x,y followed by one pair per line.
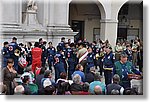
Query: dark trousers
x,y
108,76
100,66
43,62
71,68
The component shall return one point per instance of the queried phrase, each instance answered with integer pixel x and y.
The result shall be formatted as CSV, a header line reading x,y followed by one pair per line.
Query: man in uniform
x,y
123,68
58,66
5,54
51,51
14,50
90,60
109,60
44,54
70,60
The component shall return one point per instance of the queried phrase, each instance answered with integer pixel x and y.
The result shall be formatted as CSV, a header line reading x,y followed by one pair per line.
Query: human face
x,y
6,45
81,68
124,59
10,65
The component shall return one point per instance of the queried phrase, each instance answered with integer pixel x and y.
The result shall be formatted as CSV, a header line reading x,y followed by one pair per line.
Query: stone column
x,y
109,30
58,21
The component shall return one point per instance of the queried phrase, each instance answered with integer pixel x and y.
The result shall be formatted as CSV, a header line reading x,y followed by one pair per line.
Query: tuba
x,y
17,52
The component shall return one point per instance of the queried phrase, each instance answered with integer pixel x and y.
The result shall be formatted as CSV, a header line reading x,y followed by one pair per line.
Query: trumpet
x,y
17,52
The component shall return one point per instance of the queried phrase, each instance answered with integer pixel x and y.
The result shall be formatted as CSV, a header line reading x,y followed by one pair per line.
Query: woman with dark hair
x,y
9,74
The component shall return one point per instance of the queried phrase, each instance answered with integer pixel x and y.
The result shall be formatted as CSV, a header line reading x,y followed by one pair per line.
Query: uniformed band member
x,y
109,60
123,68
14,51
51,51
5,54
44,53
70,60
59,67
90,60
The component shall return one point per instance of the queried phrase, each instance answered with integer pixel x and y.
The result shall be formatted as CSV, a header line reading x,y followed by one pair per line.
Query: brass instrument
x,y
17,52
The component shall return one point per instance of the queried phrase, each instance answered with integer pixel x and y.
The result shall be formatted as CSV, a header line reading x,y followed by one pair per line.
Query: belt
x,y
108,69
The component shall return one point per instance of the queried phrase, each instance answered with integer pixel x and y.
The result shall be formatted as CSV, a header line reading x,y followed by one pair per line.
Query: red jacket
x,y
36,54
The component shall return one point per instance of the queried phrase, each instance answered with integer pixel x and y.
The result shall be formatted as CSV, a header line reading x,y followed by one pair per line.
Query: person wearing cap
x,y
109,59
69,55
90,60
14,50
51,51
123,68
5,54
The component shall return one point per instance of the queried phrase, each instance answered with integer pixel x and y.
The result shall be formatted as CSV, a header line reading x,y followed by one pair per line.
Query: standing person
x,y
109,60
14,51
82,55
44,54
118,50
29,56
70,60
123,68
59,67
5,54
40,42
140,57
36,57
101,59
134,53
90,59
115,85
128,51
9,74
51,51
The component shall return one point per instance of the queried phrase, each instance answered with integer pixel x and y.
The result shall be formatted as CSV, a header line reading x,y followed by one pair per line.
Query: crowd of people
x,y
80,68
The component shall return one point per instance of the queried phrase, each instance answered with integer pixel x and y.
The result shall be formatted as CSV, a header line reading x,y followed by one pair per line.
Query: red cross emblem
x,y
10,48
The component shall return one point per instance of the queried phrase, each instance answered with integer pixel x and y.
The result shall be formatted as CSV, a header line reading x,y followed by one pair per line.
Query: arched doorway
x,y
84,18
130,19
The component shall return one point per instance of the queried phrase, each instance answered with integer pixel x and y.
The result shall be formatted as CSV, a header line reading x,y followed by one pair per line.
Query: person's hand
x,y
14,71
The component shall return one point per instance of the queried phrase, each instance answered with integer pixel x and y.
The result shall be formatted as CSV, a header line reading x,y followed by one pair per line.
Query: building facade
x,y
73,19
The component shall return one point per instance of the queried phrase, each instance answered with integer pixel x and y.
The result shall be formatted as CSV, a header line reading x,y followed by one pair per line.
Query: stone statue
x,y
31,5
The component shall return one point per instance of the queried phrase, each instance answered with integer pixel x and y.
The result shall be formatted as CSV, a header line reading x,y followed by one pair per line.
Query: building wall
x,y
90,14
